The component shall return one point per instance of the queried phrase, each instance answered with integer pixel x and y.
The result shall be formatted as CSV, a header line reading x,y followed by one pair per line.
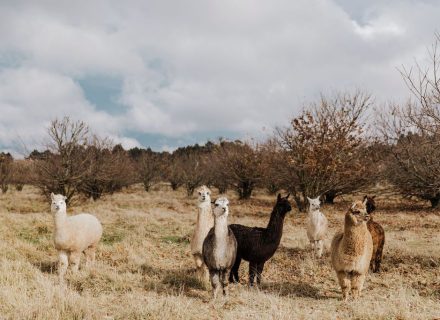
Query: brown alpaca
x,y
377,234
351,251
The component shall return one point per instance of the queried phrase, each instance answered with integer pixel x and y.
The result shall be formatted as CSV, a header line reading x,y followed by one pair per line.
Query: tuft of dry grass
x,y
144,269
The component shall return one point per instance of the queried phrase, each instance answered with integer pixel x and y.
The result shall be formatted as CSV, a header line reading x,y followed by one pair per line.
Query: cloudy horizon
x,y
164,74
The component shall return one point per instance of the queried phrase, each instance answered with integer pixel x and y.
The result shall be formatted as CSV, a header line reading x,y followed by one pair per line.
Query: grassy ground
x,y
144,269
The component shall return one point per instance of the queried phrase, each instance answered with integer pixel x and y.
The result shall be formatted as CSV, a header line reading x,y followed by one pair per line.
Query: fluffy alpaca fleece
x,y
377,233
351,251
220,247
317,225
205,221
73,235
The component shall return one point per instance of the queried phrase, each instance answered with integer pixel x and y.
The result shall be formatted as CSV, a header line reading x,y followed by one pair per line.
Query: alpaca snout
x,y
57,207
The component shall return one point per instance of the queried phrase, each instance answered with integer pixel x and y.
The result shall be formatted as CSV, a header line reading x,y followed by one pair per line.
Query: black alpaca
x,y
257,245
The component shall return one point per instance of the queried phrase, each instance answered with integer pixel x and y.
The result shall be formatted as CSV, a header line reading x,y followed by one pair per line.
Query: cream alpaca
x,y
73,235
317,225
205,221
351,251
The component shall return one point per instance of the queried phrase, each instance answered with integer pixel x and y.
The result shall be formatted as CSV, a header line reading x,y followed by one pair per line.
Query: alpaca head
x,y
314,204
283,205
370,203
358,212
221,207
58,202
204,194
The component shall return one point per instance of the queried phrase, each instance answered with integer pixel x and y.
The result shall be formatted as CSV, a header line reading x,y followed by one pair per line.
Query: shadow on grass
x,y
47,266
299,289
403,260
181,281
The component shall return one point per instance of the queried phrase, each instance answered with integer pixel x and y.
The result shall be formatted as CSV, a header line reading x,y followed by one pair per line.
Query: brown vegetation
x,y
144,268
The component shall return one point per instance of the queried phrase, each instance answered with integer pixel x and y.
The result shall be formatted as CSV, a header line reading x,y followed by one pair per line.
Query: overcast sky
x,y
170,73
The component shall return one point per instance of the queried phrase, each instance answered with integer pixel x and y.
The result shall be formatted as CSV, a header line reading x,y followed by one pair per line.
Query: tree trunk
x,y
245,190
272,188
175,185
299,203
435,202
329,197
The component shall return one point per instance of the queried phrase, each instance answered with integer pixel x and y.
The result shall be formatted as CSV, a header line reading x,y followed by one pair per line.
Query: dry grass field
x,y
144,269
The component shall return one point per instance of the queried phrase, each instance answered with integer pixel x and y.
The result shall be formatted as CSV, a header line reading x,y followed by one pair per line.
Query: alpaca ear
x,y
365,201
366,197
279,197
52,195
373,197
288,195
65,198
309,199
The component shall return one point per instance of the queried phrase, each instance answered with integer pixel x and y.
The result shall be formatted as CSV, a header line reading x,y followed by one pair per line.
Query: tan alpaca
x,y
73,235
205,221
351,251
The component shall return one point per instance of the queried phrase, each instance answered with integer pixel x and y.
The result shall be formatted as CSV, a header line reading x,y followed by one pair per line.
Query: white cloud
x,y
200,66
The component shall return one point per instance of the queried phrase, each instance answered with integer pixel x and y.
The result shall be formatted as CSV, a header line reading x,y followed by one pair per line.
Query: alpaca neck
x,y
221,227
354,235
313,212
60,221
274,228
204,213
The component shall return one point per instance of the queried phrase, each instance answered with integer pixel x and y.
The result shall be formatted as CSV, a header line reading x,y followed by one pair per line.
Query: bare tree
x,y
424,84
239,165
193,171
22,173
323,148
6,161
107,169
149,168
413,132
63,170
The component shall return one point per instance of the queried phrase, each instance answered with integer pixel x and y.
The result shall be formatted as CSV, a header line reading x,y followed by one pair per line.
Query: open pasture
x,y
144,268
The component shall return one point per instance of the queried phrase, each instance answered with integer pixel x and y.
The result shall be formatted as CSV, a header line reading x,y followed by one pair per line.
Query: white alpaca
x,y
317,226
73,235
205,221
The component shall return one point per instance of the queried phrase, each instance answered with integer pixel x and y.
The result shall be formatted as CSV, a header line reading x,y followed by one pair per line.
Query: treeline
x,y
329,149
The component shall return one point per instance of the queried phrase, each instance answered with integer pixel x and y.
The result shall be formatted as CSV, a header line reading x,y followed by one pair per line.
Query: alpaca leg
x,y
344,282
357,283
74,259
378,258
252,272
233,275
63,264
224,282
372,261
90,253
260,267
215,282
320,248
201,270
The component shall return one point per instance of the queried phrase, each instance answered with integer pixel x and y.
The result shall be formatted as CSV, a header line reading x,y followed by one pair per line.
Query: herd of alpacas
x,y
219,248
